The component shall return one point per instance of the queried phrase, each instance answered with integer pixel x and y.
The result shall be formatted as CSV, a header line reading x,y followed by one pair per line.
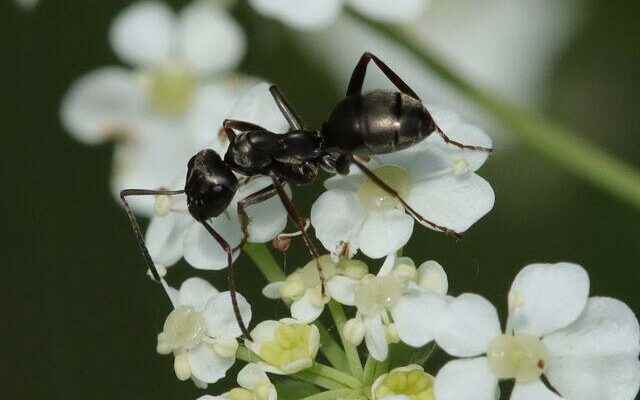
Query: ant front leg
x,y
287,111
135,227
300,223
254,198
383,185
357,77
230,277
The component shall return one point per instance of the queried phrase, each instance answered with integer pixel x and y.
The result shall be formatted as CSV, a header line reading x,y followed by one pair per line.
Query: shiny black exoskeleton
x,y
360,125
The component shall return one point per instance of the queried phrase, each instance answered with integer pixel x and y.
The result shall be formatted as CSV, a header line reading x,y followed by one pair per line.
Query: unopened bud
x,y
281,243
163,346
181,366
391,334
353,331
355,269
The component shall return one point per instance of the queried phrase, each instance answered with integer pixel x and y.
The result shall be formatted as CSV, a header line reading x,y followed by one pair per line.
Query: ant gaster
x,y
360,125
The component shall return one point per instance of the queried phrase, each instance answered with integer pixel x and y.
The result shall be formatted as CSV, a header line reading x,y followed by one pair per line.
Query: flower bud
x,y
353,331
391,334
181,366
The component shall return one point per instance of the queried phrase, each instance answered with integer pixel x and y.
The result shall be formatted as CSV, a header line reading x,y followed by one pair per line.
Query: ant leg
x,y
295,216
357,77
230,277
460,144
382,184
241,126
136,227
290,115
254,198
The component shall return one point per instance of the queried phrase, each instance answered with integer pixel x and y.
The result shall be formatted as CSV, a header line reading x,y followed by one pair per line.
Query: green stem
x,y
557,143
338,376
334,394
351,351
369,370
320,381
332,350
269,267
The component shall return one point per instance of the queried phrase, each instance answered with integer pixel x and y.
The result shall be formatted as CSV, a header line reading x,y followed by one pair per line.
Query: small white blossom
x,y
254,385
166,106
390,305
201,332
303,290
286,346
173,233
586,347
404,383
321,14
436,179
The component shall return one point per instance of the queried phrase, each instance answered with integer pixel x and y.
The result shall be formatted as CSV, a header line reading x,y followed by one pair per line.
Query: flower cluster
x,y
556,343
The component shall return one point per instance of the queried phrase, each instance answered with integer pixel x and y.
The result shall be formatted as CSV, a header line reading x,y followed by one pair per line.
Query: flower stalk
x,y
557,143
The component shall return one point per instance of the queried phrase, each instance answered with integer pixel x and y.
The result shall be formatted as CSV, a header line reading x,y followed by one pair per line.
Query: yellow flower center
x,y
374,198
289,346
170,89
183,329
523,357
374,294
416,385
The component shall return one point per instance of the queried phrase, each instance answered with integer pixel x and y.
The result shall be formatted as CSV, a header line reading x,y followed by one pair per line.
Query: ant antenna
x,y
136,227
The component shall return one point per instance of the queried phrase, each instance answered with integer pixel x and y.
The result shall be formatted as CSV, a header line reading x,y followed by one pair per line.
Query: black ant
x,y
361,125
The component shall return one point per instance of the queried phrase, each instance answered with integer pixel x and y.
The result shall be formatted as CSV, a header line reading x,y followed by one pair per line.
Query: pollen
x,y
522,357
170,89
374,198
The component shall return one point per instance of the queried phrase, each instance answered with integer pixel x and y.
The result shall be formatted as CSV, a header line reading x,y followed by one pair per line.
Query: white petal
x,y
546,297
468,326
102,103
300,15
596,357
375,339
164,237
397,12
337,217
385,232
465,380
272,290
256,105
220,317
533,391
305,310
210,397
455,202
466,134
342,289
212,103
418,316
263,332
144,33
251,376
207,366
210,40
606,327
350,183
432,276
196,292
202,251
267,218
388,265
152,158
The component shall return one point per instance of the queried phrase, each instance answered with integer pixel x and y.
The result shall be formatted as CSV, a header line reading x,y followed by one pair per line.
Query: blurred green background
x,y
82,315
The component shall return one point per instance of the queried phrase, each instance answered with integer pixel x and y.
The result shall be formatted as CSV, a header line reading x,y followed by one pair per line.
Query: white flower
x,y
157,108
286,346
404,383
321,14
391,305
173,233
436,179
303,290
202,331
586,347
254,385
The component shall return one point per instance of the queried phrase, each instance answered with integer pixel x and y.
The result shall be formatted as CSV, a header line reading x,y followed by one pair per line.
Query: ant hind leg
x,y
357,77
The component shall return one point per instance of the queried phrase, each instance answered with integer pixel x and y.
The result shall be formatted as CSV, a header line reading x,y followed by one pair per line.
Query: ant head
x,y
210,185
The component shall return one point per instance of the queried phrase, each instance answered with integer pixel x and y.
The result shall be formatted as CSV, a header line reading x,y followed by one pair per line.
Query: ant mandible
x,y
360,125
